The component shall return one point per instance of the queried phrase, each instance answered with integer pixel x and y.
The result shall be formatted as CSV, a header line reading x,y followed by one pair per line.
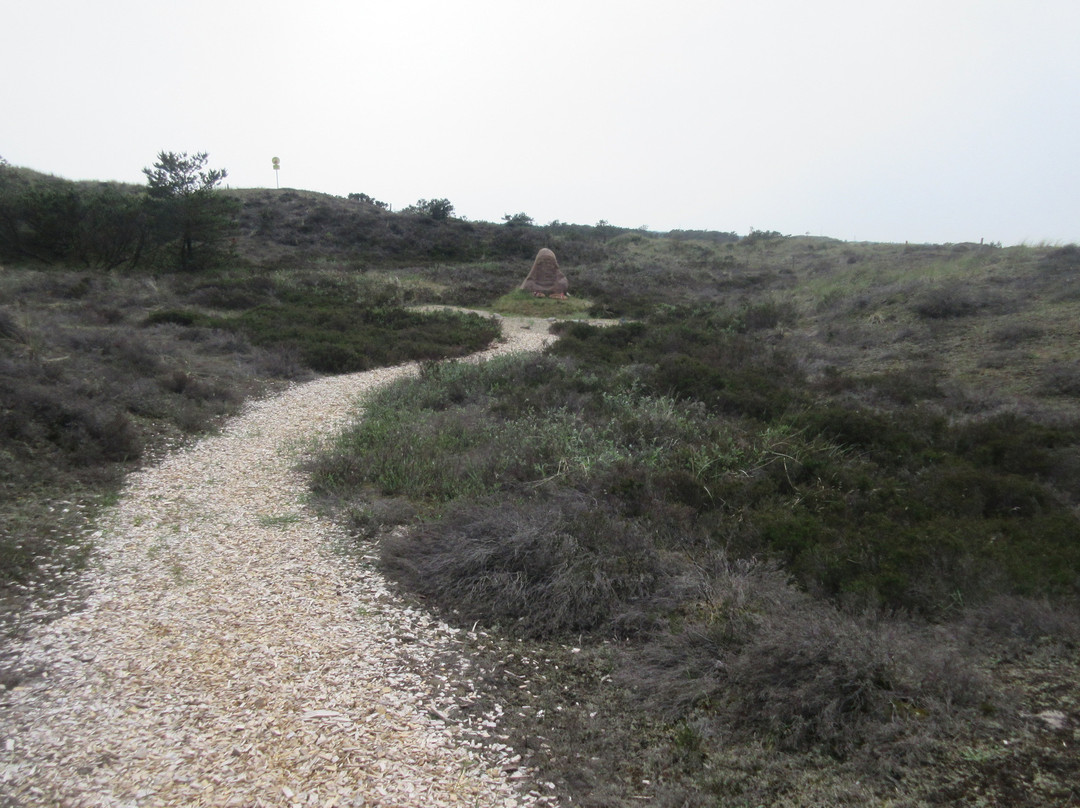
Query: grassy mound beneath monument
x,y
520,303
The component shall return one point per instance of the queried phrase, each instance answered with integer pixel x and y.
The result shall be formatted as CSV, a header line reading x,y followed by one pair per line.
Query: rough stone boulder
x,y
545,278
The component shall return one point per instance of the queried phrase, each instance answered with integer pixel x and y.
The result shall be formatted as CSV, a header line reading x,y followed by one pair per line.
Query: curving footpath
x,y
228,656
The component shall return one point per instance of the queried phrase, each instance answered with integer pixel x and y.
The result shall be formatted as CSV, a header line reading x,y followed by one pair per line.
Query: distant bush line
x,y
101,225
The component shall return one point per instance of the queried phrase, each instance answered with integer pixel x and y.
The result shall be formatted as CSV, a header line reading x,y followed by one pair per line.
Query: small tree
x,y
432,208
518,219
368,200
112,230
183,202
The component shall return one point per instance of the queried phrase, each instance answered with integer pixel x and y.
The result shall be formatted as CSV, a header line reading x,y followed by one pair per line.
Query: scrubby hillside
x,y
798,527
802,530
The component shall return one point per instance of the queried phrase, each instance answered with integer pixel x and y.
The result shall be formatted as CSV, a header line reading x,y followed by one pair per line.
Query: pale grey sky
x,y
907,120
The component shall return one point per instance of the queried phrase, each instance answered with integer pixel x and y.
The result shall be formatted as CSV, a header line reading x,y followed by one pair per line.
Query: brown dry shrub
x,y
769,662
546,566
957,300
1012,334
1061,379
9,328
1020,624
816,677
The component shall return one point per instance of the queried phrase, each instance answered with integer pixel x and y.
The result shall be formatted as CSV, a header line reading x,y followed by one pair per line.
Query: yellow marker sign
x,y
277,163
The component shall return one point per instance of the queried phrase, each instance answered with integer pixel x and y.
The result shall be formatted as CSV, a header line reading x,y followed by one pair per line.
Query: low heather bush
x,y
957,300
1022,624
1061,379
84,432
1013,334
550,565
234,294
1061,260
768,314
697,356
815,678
174,317
755,658
1012,443
9,327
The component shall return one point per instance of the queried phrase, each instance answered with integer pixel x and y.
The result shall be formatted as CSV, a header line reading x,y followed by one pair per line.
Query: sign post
x,y
277,165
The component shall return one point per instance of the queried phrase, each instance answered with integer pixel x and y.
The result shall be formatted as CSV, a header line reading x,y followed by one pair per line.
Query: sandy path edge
x,y
227,656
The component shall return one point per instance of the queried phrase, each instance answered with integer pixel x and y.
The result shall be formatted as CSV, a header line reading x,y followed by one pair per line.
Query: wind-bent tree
x,y
184,204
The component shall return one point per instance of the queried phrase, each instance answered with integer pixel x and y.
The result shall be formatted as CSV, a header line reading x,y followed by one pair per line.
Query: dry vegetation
x,y
801,530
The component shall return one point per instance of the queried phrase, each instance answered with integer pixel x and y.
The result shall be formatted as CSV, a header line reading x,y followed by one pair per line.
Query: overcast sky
x,y
913,120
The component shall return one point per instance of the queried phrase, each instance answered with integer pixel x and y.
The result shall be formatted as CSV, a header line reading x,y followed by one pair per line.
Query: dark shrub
x,y
1061,379
543,567
810,678
1012,444
701,355
118,437
84,432
242,293
9,328
813,677
727,384
768,314
335,336
1063,259
131,354
1011,335
955,300
892,437
767,661
192,387
1023,623
965,491
617,345
905,386
173,316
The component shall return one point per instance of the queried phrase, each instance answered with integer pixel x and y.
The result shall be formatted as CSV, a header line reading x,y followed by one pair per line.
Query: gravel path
x,y
228,656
